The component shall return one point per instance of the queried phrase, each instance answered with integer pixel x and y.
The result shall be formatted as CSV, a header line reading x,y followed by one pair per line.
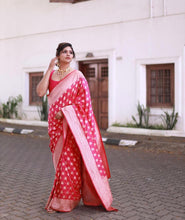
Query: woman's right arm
x,y
44,83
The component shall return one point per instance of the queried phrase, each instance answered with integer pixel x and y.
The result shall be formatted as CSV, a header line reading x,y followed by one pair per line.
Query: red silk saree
x,y
78,153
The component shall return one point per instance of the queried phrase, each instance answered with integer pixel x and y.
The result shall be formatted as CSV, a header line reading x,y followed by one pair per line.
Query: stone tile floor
x,y
147,183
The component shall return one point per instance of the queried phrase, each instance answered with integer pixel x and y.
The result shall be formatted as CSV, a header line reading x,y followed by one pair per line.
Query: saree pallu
x,y
78,153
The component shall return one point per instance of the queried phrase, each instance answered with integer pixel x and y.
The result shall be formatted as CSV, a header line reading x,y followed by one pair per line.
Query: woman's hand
x,y
59,115
53,63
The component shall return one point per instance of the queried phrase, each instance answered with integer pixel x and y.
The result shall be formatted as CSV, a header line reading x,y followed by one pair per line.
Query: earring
x,y
57,64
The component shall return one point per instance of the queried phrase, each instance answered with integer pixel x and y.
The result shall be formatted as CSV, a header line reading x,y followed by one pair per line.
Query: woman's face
x,y
66,55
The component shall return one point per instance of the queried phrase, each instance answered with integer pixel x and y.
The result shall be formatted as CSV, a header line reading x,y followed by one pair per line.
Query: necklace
x,y
61,72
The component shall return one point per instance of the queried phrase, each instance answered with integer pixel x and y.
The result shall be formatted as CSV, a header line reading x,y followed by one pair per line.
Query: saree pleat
x,y
67,183
79,157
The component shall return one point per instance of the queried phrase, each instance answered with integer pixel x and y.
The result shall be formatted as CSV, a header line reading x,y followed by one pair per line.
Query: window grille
x,y
104,71
34,79
160,85
90,72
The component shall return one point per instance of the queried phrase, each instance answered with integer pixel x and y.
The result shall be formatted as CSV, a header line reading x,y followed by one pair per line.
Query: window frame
x,y
31,75
157,67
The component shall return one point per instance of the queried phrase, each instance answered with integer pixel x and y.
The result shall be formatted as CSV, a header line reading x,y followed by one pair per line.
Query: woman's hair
x,y
61,46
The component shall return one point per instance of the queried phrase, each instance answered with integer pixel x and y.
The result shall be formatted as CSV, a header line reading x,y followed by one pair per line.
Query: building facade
x,y
130,51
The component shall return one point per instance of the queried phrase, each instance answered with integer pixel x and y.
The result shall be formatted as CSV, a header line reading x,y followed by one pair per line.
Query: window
x,y
34,79
68,1
160,85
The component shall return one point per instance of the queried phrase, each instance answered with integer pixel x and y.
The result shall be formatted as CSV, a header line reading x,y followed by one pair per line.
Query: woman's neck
x,y
64,66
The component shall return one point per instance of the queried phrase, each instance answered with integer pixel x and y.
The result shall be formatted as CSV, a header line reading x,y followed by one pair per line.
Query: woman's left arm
x,y
43,84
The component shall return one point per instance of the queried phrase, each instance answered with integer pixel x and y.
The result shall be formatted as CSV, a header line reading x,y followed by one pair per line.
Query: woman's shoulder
x,y
79,74
51,74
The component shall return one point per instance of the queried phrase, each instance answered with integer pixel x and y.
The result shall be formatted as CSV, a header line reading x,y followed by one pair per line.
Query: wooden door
x,y
96,73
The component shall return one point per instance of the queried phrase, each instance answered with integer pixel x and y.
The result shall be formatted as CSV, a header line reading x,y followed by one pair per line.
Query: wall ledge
x,y
25,122
149,132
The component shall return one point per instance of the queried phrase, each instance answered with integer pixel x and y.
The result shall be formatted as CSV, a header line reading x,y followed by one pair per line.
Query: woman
x,y
78,154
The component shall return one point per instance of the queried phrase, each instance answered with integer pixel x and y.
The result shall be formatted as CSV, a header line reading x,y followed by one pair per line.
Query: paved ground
x,y
147,181
175,145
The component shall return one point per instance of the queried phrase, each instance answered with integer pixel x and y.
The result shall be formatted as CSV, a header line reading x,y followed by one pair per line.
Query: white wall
x,y
130,33
42,16
155,41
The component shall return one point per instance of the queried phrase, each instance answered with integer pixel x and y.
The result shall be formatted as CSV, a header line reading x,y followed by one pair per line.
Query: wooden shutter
x,y
103,95
96,73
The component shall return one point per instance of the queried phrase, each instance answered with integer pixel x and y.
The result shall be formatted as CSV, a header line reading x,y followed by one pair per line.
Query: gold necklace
x,y
61,72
